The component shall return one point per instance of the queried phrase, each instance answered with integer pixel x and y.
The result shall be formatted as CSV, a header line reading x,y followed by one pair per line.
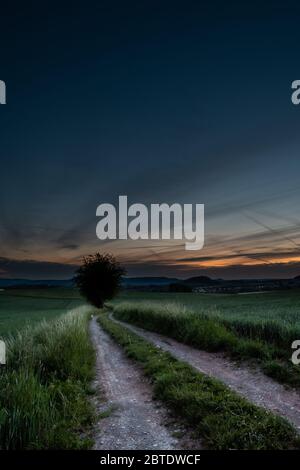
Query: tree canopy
x,y
99,278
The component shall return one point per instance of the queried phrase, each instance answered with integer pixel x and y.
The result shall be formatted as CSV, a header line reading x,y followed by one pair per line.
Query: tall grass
x,y
186,326
274,331
223,419
43,387
268,343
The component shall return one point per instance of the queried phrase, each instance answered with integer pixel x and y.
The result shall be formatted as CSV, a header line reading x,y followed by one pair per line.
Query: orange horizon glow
x,y
242,260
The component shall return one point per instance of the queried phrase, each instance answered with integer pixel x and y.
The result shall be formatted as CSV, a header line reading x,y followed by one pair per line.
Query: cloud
x,y
12,268
236,271
267,255
70,247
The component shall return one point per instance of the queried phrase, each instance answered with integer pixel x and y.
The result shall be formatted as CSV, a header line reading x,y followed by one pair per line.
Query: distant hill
x,y
128,282
165,281
199,280
148,281
170,284
36,283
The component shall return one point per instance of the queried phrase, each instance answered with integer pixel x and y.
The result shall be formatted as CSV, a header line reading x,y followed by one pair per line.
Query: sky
x,y
186,102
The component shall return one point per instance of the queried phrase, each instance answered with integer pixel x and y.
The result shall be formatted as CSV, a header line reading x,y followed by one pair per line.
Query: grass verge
x,y
219,416
44,386
213,334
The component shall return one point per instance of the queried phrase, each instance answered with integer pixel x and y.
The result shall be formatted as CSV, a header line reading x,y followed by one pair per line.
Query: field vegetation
x,y
223,419
45,384
24,307
256,327
44,387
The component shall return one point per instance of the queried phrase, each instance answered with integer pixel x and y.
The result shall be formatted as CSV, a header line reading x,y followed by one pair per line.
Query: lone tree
x,y
99,278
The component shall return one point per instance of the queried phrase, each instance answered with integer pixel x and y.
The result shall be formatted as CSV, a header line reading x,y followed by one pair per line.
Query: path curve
x,y
250,383
136,421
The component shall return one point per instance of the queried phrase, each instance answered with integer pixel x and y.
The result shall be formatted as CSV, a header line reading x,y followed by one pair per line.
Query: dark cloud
x,y
11,268
70,247
237,271
267,255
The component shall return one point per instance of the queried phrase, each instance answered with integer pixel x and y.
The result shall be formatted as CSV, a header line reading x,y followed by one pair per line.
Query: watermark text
x,y
2,92
159,222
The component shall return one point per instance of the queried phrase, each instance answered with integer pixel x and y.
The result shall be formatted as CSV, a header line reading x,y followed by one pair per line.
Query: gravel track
x,y
134,420
248,382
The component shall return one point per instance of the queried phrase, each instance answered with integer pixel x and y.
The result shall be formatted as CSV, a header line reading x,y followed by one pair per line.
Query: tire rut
x,y
250,383
134,420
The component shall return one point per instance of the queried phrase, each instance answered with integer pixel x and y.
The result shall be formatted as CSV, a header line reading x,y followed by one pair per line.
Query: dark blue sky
x,y
165,102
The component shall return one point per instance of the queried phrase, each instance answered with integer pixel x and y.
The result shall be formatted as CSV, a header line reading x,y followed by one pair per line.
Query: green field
x,y
51,364
45,384
268,316
20,307
279,306
257,327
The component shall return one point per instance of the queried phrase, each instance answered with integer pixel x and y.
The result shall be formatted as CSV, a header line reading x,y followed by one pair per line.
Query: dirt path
x,y
135,422
252,384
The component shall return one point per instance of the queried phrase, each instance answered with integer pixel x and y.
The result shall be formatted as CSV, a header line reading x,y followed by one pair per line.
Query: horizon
x,y
152,277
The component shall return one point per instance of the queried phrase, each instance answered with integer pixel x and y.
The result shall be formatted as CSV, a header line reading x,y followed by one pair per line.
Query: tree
x,y
99,278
